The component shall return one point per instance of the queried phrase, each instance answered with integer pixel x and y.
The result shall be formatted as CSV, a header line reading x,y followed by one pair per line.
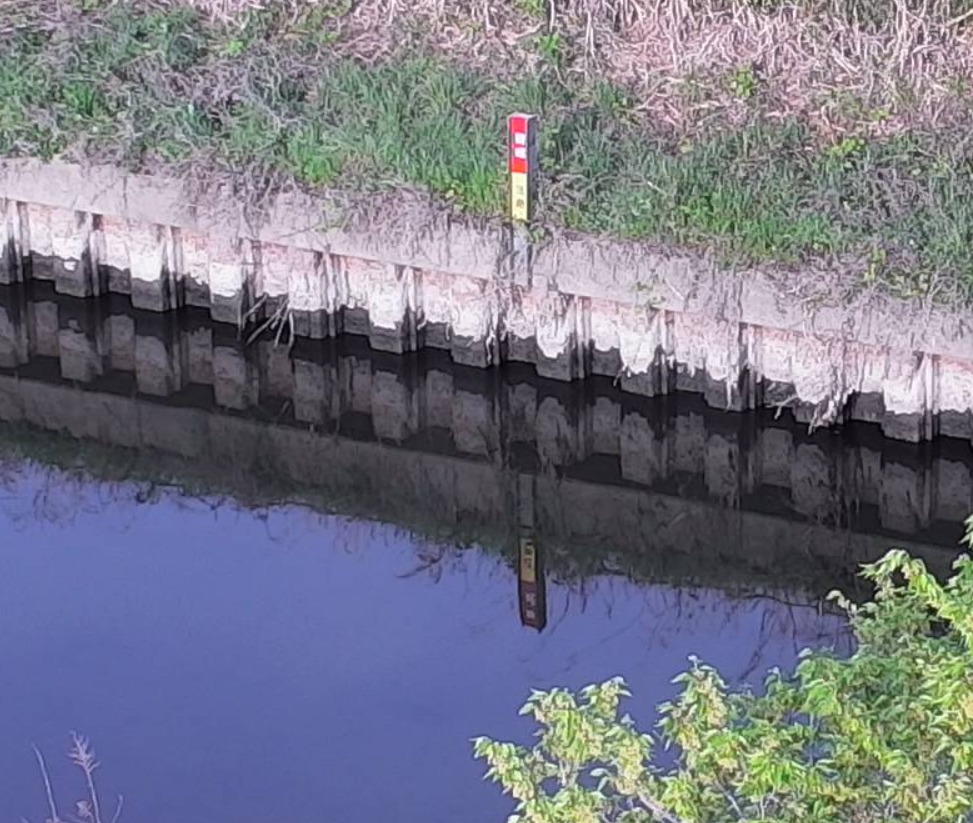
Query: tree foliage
x,y
883,735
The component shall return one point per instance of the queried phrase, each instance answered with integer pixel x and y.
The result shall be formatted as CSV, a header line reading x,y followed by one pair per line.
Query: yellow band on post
x,y
528,561
518,196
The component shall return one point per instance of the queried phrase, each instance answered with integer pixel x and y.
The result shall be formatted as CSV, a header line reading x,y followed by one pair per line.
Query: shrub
x,y
884,735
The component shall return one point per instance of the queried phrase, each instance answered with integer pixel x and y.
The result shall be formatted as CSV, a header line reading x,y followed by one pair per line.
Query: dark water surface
x,y
287,666
170,585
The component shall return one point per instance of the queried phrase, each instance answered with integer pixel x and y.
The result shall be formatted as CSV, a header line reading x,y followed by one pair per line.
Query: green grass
x,y
166,88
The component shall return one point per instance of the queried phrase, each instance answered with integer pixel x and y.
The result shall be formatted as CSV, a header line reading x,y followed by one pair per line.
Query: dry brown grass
x,y
816,65
880,67
869,67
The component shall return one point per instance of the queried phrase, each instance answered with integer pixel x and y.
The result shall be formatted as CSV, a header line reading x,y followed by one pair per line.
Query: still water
x,y
287,585
279,665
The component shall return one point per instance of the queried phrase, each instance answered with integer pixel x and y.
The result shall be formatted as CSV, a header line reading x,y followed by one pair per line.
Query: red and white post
x,y
522,165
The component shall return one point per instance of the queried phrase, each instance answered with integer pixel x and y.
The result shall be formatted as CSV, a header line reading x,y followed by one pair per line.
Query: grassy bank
x,y
764,132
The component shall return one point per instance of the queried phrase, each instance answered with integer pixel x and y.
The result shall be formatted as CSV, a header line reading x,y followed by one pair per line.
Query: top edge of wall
x,y
425,238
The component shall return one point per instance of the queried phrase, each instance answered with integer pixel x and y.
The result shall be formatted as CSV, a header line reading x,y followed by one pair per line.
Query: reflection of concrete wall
x,y
682,494
573,308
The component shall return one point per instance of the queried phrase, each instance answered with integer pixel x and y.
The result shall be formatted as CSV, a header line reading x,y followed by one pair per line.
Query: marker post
x,y
531,590
522,165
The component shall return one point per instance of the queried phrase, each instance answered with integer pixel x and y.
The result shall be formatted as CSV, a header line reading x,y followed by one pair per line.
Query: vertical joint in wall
x,y
413,307
665,361
521,257
174,268
749,384
931,368
12,269
584,343
337,294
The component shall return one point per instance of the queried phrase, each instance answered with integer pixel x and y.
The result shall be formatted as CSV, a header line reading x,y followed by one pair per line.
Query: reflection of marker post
x,y
533,600
522,164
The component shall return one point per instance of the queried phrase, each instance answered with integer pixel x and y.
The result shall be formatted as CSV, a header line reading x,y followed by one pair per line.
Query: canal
x,y
290,583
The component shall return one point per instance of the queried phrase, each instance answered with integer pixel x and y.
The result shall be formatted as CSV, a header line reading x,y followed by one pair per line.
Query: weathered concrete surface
x,y
657,486
573,308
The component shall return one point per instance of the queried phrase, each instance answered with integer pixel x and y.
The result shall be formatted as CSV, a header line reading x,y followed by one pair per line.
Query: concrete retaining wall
x,y
573,308
637,484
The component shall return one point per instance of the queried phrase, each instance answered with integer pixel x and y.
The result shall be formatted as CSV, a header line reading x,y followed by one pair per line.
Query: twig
x,y
118,809
657,811
959,18
55,817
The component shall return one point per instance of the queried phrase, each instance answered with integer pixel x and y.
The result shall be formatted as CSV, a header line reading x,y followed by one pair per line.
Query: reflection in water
x,y
531,589
604,482
233,664
172,587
